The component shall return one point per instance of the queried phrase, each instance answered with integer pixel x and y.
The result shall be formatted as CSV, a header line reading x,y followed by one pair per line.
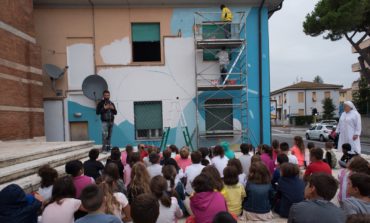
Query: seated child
x,y
224,217
245,159
310,145
132,159
117,203
92,167
330,157
93,200
234,191
281,158
241,175
48,176
206,203
174,185
359,190
290,189
320,189
347,156
16,206
169,210
356,165
145,209
75,168
184,160
284,148
257,205
115,157
63,205
317,165
155,169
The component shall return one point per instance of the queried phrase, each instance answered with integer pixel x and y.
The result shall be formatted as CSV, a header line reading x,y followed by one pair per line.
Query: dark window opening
x,y
146,44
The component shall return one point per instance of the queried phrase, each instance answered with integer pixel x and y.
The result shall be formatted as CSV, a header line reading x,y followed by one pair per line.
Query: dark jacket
x,y
16,207
106,115
290,190
259,198
119,165
92,168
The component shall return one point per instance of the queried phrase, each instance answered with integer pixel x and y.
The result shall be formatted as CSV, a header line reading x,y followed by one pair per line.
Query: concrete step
x,y
19,170
20,152
32,182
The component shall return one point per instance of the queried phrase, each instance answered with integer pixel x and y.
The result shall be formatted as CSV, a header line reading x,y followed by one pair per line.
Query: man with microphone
x,y
107,111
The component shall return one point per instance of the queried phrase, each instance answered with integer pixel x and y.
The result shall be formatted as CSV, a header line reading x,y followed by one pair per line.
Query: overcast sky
x,y
293,54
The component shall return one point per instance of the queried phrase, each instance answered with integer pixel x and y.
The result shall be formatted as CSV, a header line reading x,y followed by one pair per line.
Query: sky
x,y
296,56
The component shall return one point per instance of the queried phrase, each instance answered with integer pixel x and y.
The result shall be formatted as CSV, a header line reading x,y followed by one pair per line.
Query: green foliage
x,y
361,98
338,17
318,79
329,108
301,120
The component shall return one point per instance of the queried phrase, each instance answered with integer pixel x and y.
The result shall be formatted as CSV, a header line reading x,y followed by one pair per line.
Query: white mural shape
x,y
118,52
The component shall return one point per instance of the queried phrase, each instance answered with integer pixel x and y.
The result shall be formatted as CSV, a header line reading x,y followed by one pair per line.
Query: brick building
x,y
21,81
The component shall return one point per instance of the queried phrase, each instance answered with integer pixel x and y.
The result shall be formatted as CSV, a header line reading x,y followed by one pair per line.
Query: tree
x,y
329,108
361,98
342,18
318,79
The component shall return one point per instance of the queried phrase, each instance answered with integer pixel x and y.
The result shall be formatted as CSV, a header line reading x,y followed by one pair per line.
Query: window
x,y
300,97
314,98
146,43
319,127
219,118
301,112
148,119
280,101
327,94
285,98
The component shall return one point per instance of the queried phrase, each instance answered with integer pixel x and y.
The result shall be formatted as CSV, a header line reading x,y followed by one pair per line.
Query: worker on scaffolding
x,y
227,18
223,60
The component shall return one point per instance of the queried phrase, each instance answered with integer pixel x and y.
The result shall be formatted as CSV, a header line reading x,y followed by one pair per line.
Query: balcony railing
x,y
208,26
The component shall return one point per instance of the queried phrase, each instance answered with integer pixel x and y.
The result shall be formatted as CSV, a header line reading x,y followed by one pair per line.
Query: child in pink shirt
x,y
206,202
298,150
80,181
183,160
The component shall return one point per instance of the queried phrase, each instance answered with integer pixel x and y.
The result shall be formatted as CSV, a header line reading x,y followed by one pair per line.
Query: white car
x,y
319,131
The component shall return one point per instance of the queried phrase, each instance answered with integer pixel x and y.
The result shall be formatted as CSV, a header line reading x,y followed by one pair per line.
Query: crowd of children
x,y
210,185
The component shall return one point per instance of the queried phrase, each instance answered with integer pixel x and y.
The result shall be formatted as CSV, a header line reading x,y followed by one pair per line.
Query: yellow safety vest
x,y
226,15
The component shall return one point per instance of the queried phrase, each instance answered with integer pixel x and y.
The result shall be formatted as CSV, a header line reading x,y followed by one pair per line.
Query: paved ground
x,y
287,134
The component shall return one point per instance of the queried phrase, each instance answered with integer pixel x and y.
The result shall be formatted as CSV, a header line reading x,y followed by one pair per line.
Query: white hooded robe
x,y
348,126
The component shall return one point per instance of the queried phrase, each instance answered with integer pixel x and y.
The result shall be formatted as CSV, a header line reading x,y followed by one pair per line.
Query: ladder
x,y
176,106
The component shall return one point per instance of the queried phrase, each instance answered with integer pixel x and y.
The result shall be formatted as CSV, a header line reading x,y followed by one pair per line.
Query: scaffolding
x,y
221,103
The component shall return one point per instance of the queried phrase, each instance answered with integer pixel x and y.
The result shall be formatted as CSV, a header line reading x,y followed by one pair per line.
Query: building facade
x,y
301,98
148,56
21,102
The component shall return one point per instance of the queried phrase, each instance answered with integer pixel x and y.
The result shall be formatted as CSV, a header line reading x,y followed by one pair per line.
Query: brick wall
x,y
21,101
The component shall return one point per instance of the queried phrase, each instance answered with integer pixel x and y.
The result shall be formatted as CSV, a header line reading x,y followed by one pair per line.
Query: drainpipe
x,y
93,32
260,97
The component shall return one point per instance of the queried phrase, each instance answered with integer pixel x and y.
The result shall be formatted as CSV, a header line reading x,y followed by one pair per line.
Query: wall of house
x,y
292,105
21,103
72,44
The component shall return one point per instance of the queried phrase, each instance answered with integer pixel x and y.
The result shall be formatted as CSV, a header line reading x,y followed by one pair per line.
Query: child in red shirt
x,y
317,165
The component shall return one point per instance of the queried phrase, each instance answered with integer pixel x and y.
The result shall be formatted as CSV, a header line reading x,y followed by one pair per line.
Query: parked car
x,y
329,122
326,122
319,131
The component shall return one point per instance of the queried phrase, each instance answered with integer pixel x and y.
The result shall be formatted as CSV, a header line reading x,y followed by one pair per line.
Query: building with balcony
x,y
301,98
159,61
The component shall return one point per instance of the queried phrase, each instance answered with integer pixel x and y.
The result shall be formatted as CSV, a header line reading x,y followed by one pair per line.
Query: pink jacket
x,y
206,205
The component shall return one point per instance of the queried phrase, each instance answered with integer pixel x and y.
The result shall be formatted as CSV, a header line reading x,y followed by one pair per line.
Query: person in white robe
x,y
349,128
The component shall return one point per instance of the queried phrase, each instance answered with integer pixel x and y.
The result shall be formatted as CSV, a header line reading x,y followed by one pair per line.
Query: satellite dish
x,y
93,87
53,71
